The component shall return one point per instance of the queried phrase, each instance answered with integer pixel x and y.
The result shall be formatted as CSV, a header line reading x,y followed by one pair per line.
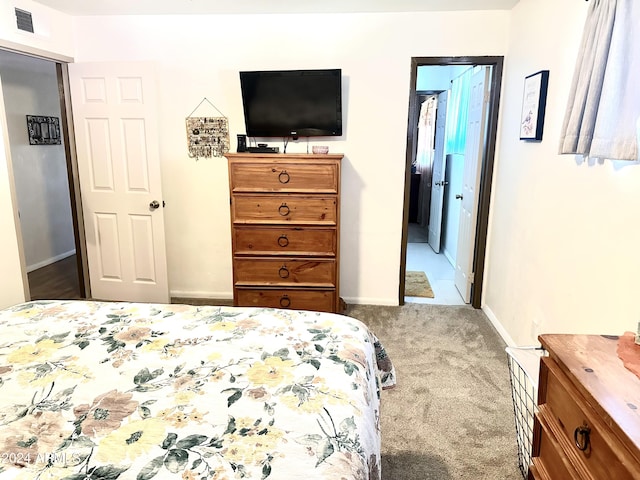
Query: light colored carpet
x,y
451,414
416,284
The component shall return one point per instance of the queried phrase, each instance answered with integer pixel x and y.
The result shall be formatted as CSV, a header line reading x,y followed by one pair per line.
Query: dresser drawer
x,y
548,461
311,210
320,300
566,410
284,177
284,241
285,272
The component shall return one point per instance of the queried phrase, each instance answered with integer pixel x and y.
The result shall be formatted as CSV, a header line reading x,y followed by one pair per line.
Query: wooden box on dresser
x,y
285,219
588,420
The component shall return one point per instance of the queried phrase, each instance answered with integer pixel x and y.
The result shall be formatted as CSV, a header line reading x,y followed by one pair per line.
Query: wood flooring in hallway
x,y
58,281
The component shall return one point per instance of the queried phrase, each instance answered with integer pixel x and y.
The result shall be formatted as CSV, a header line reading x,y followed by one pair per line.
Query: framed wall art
x,y
534,102
43,130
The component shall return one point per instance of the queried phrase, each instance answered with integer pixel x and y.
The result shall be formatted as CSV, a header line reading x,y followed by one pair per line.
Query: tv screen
x,y
292,103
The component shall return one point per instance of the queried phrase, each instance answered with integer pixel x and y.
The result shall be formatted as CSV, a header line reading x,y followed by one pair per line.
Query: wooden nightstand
x,y
588,422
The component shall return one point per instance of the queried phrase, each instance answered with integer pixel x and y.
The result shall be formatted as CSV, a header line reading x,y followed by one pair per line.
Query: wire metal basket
x,y
524,367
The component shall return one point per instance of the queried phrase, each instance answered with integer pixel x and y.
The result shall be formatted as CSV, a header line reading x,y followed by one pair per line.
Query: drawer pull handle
x,y
284,210
283,272
285,301
581,437
283,241
284,177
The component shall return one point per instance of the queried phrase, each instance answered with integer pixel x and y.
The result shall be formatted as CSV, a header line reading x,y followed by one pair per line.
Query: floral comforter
x,y
92,390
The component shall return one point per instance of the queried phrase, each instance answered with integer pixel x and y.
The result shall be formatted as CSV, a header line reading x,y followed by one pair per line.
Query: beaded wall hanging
x,y
207,136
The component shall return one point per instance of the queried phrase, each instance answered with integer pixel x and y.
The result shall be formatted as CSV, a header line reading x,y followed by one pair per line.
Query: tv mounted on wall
x,y
292,103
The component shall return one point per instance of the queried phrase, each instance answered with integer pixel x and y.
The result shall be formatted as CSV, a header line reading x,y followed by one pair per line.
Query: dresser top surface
x,y
285,156
594,367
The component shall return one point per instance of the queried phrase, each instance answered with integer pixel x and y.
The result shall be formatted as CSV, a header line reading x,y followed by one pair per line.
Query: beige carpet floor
x,y
451,414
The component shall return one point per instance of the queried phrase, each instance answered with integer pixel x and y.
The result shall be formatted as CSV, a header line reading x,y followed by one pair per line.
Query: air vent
x,y
24,20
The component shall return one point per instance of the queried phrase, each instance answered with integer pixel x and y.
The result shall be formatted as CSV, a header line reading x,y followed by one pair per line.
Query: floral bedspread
x,y
92,390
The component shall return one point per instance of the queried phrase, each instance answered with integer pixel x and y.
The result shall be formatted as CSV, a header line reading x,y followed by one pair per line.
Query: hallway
x,y
57,281
421,257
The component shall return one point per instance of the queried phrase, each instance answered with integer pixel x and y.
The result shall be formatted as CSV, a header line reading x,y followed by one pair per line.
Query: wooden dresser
x,y
588,423
285,218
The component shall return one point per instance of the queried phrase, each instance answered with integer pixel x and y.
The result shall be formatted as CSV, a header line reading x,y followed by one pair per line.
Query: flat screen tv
x,y
292,103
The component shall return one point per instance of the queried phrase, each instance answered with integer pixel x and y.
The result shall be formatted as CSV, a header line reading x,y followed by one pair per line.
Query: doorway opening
x,y
446,183
51,241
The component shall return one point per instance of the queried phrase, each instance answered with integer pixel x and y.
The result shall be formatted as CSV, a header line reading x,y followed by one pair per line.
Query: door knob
x,y
458,196
153,205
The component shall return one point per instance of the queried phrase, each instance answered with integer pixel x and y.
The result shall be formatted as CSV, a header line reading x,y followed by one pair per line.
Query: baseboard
x,y
49,261
201,295
182,294
498,326
371,301
218,302
450,258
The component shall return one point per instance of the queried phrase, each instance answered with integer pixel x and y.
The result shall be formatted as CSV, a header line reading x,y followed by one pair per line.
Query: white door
x,y
438,178
114,116
474,148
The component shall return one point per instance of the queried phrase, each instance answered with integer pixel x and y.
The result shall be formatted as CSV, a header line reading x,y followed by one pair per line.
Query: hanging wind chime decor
x,y
207,136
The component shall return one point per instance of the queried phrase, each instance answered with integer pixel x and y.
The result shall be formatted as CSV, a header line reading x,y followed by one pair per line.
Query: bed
x,y
99,390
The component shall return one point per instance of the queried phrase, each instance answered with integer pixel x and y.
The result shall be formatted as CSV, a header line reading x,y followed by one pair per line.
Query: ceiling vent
x,y
24,20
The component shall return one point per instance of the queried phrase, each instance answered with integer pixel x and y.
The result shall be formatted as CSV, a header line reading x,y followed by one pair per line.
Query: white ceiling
x,y
159,7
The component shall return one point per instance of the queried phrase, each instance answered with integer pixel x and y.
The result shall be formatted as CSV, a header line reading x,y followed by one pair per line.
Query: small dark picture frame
x,y
534,102
43,130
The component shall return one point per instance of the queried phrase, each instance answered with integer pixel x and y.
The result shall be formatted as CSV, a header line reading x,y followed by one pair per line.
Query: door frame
x,y
486,171
67,132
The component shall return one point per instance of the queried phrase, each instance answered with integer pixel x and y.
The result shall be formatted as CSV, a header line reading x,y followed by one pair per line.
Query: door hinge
x,y
472,277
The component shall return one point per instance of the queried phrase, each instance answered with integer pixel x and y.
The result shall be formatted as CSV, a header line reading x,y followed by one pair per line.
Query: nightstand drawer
x,y
548,460
254,271
586,437
278,209
319,300
284,177
285,241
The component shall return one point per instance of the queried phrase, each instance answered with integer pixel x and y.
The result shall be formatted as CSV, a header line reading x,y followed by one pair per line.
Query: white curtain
x,y
424,155
603,113
457,112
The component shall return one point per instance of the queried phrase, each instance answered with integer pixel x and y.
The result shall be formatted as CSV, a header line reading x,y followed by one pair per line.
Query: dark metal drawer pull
x,y
283,272
283,241
284,177
285,301
284,210
581,437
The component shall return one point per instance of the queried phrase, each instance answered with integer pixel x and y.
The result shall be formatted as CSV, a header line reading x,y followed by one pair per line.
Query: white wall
x,y
52,30
437,77
30,87
564,235
12,281
200,56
